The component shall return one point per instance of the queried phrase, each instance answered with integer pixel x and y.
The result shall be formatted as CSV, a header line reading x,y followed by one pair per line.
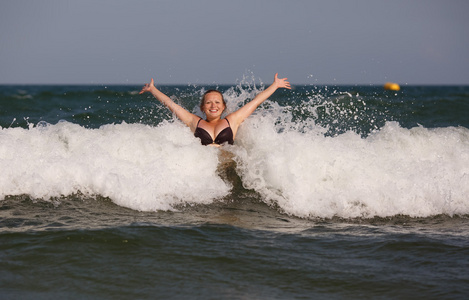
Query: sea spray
x,y
310,152
417,172
137,166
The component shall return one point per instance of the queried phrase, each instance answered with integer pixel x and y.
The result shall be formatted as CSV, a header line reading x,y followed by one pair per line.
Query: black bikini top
x,y
226,135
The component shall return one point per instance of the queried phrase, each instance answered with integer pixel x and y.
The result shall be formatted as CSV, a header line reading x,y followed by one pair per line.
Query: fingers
x,y
147,86
282,82
144,89
286,84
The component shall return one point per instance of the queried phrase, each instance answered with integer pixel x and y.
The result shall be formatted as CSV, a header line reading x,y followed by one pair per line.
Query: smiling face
x,y
213,104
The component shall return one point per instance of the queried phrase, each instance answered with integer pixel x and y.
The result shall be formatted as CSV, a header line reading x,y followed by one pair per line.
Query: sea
x,y
329,192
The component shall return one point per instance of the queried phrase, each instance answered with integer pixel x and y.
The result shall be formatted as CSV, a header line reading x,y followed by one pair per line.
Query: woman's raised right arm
x,y
185,116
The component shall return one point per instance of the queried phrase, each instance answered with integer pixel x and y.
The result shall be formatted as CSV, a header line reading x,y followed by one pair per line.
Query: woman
x,y
214,130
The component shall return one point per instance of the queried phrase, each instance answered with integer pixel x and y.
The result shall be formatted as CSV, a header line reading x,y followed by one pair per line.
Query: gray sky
x,y
210,41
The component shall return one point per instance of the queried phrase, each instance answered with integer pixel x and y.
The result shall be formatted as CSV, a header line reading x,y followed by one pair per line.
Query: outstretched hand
x,y
147,87
281,82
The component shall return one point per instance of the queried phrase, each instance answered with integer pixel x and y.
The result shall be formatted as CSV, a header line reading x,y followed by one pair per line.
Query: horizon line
x,y
232,84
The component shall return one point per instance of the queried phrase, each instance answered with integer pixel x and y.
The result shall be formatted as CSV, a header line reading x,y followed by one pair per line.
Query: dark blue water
x,y
93,106
346,192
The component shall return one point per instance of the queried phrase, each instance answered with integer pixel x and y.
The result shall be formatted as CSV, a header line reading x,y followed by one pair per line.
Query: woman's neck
x,y
214,120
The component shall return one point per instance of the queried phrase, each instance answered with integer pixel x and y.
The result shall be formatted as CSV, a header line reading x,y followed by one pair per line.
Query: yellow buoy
x,y
391,86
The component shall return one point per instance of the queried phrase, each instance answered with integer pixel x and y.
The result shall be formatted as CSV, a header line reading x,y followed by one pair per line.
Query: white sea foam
x,y
417,172
137,166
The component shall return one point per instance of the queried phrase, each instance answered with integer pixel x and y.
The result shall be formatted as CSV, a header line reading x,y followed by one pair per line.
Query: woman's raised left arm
x,y
237,117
